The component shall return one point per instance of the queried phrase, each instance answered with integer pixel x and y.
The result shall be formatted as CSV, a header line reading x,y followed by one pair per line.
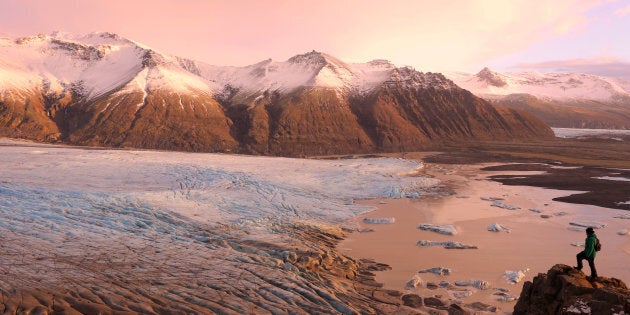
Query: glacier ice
x,y
140,213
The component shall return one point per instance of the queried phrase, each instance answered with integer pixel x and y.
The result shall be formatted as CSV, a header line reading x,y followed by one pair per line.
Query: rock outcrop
x,y
565,290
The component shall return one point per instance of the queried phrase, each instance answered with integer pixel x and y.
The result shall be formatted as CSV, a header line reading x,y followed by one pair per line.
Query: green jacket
x,y
589,246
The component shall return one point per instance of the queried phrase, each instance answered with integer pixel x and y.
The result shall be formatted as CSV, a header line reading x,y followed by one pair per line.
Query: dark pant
x,y
591,263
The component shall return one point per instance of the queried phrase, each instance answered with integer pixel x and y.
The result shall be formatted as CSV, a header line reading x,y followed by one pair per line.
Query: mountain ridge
x,y
569,100
102,89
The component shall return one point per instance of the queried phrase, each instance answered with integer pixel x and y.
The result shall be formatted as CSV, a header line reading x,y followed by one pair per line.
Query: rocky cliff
x,y
564,290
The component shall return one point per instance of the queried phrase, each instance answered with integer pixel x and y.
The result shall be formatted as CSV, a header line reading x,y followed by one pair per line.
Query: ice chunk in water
x,y
496,227
447,229
379,220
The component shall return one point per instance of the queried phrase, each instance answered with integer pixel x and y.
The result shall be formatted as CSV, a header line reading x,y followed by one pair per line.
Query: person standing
x,y
589,252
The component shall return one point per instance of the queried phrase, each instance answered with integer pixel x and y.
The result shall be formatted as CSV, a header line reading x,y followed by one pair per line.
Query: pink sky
x,y
429,35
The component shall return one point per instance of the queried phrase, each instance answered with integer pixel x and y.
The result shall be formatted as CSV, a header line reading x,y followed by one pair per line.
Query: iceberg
x,y
595,225
514,277
501,205
496,227
379,220
460,294
441,271
447,244
479,284
447,229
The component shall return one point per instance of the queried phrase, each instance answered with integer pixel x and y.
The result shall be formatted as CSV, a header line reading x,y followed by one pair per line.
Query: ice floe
x,y
475,283
576,228
496,227
623,216
441,271
458,294
577,244
622,232
501,205
516,276
585,224
446,244
535,210
365,230
498,202
447,229
379,220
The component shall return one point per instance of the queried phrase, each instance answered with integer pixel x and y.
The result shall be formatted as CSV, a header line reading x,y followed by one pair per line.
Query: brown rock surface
x,y
190,122
572,113
565,290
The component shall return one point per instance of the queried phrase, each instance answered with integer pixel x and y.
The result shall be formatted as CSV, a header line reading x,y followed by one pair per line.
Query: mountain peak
x,y
313,57
491,77
318,59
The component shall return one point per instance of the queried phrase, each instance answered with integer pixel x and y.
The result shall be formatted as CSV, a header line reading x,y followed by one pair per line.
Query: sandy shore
x,y
533,243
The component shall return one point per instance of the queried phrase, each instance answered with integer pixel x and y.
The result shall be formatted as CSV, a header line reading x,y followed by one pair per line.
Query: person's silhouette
x,y
589,252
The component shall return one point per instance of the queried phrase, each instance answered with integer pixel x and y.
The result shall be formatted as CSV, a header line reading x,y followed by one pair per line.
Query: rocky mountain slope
x,y
104,90
569,100
564,290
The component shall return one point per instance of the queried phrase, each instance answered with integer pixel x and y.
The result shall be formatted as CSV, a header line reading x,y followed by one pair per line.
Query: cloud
x,y
623,11
603,66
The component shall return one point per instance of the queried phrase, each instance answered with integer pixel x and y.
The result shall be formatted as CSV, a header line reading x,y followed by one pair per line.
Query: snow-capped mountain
x,y
101,89
96,64
560,99
315,69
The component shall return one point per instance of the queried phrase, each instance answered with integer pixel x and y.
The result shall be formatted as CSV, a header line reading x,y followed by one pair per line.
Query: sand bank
x,y
534,244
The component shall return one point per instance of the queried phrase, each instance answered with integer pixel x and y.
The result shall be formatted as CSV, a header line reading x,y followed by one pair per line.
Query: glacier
x,y
193,230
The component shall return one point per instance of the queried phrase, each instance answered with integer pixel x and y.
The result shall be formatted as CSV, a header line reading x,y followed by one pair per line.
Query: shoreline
x,y
534,244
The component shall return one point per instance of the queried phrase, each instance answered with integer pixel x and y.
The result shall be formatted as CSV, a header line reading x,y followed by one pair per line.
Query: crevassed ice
x,y
72,191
